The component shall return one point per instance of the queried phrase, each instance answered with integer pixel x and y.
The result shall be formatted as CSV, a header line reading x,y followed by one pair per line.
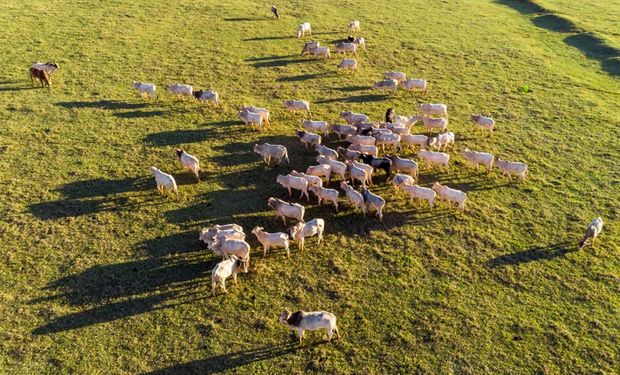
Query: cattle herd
x,y
353,166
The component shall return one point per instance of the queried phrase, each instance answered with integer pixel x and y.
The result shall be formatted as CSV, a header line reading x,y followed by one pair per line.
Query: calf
x,y
301,321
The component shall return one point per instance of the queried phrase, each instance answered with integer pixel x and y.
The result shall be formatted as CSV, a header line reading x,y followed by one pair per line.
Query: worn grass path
x,y
99,274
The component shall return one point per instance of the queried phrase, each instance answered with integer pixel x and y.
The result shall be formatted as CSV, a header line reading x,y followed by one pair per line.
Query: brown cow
x,y
42,76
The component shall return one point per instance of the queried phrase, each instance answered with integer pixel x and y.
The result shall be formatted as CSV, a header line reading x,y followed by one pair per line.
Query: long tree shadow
x,y
232,361
278,63
532,254
139,114
125,289
19,88
90,196
588,43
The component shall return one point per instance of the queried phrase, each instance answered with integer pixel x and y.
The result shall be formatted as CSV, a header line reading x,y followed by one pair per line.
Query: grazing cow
x,y
484,123
165,182
412,140
227,247
357,173
450,195
373,202
354,196
268,151
432,157
337,167
399,180
327,152
304,29
367,168
411,84
354,118
386,84
41,76
353,27
378,163
269,240
593,230
321,52
146,90
348,155
315,126
209,96
264,113
293,182
312,180
348,64
285,209
345,47
476,158
301,321
404,165
325,194
396,76
430,123
308,138
365,149
419,192
181,90
309,46
274,11
251,118
361,140
225,269
443,140
512,167
301,230
321,170
430,109
189,162
361,42
387,138
297,105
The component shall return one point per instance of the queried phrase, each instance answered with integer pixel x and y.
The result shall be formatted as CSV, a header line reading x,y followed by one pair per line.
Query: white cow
x,y
476,158
304,29
450,195
301,321
165,182
301,230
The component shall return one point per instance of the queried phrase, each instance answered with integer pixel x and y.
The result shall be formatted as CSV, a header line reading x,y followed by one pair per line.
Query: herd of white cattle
x,y
353,165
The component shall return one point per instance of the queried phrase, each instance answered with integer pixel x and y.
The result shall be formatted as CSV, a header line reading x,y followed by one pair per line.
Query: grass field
x,y
100,274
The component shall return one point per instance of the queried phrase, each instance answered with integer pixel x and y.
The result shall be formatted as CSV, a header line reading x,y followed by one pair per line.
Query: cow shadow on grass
x,y
231,361
305,77
247,19
532,254
19,88
279,62
102,104
186,136
91,196
126,289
